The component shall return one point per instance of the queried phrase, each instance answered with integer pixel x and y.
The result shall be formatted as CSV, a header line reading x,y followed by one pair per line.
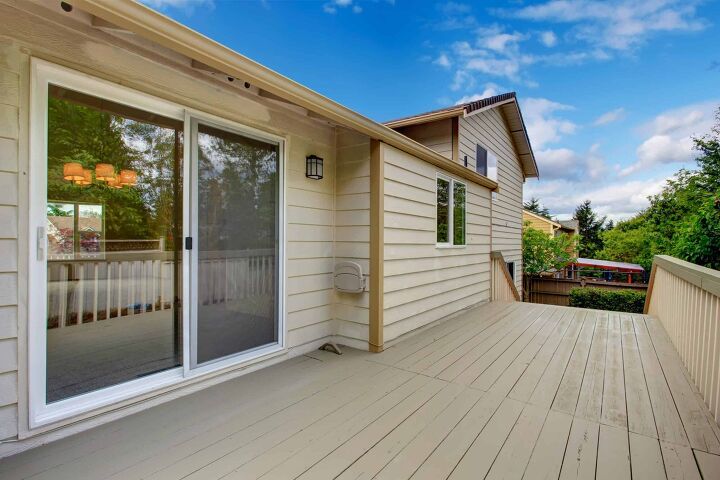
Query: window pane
x,y
481,160
492,162
237,243
443,199
113,228
458,214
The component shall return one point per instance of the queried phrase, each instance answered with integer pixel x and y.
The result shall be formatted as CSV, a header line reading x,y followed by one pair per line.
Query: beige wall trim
x,y
702,277
377,243
153,26
426,118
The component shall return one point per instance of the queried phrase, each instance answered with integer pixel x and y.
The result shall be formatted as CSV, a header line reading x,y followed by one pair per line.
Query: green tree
x,y
590,226
543,253
534,206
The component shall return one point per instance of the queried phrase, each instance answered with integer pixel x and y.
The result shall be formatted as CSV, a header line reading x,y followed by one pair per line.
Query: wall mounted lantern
x,y
314,167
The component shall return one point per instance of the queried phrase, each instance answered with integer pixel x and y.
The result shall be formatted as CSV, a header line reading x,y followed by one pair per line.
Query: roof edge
x,y
156,27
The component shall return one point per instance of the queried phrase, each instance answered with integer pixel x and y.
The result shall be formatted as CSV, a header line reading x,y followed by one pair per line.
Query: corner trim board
x,y
377,241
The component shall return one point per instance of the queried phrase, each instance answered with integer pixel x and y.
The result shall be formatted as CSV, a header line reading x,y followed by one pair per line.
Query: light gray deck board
x,y
503,391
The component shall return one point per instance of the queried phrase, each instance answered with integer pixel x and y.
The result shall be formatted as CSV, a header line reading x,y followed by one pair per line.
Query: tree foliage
x,y
591,227
543,253
534,206
683,220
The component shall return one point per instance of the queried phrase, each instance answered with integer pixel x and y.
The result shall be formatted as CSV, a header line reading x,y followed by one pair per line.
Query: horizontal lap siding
x,y
310,229
489,129
352,232
435,135
11,63
422,282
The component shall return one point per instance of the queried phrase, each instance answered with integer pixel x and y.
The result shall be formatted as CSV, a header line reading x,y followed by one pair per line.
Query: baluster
x,y
108,290
95,292
80,293
120,288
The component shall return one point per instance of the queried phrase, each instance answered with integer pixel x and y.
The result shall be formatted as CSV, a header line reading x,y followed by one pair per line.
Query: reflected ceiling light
x,y
87,177
73,171
114,183
128,177
314,167
104,172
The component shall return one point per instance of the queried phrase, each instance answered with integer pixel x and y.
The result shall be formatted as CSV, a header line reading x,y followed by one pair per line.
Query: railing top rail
x,y
702,277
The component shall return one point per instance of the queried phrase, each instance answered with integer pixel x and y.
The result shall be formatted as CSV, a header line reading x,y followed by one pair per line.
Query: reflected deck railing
x,y
132,283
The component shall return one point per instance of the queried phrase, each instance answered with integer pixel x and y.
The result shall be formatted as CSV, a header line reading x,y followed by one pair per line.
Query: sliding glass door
x,y
155,244
113,224
237,232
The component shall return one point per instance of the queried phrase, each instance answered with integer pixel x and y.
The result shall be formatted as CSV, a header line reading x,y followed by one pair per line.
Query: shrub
x,y
631,301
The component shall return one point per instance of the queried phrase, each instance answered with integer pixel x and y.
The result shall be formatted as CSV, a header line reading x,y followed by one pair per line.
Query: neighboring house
x,y
257,189
486,136
551,227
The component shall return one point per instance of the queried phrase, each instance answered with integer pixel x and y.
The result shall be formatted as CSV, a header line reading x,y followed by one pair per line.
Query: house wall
x,y
31,30
424,283
435,135
490,130
538,224
352,232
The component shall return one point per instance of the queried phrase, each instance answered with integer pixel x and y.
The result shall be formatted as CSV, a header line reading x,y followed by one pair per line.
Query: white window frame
x,y
62,412
451,207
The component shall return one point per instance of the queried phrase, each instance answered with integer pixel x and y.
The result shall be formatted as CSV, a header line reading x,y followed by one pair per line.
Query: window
x,y
450,212
511,269
486,162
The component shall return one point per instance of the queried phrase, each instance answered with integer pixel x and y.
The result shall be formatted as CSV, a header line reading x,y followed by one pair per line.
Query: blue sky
x,y
612,92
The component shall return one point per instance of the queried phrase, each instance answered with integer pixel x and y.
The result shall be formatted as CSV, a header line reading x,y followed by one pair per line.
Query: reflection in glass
x,y
458,213
237,243
443,198
113,263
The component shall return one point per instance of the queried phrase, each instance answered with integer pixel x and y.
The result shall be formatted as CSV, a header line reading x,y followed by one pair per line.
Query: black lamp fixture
x,y
313,167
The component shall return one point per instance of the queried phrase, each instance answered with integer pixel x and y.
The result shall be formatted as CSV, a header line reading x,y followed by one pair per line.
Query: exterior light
x,y
73,171
314,167
86,179
104,172
127,178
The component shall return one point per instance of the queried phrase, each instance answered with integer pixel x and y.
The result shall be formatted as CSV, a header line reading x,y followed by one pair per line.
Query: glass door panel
x,y
237,243
113,226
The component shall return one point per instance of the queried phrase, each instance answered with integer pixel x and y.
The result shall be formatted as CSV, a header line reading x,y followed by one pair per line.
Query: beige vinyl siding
x,y
11,70
424,283
539,224
68,40
436,135
489,129
352,232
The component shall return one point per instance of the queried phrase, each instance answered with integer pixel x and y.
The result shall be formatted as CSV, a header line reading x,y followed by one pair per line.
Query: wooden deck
x,y
508,390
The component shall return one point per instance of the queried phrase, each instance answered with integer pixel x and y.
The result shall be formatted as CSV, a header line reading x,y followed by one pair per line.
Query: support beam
x,y
377,243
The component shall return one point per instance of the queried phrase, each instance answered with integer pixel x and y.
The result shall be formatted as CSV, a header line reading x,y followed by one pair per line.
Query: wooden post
x,y
377,243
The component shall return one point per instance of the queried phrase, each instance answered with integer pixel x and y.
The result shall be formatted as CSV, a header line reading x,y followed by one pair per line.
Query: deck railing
x,y
502,285
131,283
686,299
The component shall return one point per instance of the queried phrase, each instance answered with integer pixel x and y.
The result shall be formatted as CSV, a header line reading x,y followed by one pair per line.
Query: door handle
x,y
41,242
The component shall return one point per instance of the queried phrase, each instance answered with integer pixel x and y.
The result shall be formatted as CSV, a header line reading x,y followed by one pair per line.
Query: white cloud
x,y
566,164
617,199
443,60
187,5
610,117
491,90
618,25
332,6
543,123
548,38
669,137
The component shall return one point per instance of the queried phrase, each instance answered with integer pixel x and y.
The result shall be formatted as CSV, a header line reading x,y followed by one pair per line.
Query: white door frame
x,y
44,73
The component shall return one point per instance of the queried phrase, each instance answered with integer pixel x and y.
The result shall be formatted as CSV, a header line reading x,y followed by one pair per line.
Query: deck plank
x,y
581,452
614,409
507,390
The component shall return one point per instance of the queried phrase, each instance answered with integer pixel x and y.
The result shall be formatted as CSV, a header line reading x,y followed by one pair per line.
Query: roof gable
x,y
507,104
